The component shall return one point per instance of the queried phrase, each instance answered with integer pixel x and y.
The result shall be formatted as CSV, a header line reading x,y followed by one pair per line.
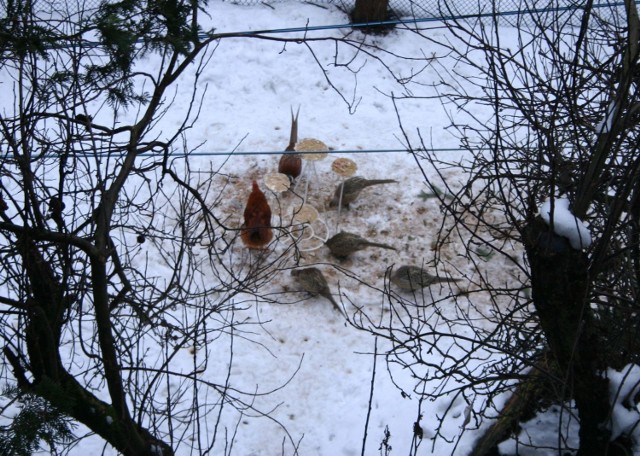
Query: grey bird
x,y
312,281
344,244
351,188
412,278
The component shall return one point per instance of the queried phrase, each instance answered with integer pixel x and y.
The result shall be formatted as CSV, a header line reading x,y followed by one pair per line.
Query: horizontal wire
x,y
330,152
247,153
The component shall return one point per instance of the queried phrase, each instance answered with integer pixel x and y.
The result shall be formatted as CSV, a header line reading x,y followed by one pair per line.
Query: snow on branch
x,y
566,224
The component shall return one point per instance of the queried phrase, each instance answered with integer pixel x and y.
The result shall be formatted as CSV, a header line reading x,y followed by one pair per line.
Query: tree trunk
x,y
523,405
371,11
50,380
560,288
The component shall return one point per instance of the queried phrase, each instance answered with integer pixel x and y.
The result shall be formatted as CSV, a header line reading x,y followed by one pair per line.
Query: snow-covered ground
x,y
252,86
318,368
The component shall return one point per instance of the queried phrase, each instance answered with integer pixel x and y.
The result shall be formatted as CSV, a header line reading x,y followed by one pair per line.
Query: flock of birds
x,y
256,231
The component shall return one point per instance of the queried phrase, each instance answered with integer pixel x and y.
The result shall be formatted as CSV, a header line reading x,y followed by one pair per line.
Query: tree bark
x,y
560,288
45,306
521,406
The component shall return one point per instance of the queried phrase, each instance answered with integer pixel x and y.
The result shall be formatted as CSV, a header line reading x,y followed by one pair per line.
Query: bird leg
x,y
339,205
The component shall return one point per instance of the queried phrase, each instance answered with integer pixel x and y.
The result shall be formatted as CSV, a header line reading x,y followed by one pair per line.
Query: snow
x,y
318,370
624,386
566,224
541,432
539,436
604,126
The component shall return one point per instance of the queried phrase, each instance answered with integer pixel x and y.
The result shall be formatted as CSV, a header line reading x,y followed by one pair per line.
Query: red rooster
x,y
291,163
256,230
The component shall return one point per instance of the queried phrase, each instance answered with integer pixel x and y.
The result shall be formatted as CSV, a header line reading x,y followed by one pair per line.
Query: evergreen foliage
x,y
37,425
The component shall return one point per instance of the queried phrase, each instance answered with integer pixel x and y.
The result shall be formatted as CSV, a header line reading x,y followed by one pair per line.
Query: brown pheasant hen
x,y
256,230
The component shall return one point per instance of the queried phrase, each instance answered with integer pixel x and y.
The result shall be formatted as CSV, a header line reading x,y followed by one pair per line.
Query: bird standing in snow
x,y
412,278
344,244
351,188
312,281
256,230
290,162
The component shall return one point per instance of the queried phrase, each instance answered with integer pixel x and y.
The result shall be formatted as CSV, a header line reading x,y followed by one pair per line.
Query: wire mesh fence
x,y
436,9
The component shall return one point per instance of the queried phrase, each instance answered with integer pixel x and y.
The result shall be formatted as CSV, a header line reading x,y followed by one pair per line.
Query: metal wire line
x,y
256,153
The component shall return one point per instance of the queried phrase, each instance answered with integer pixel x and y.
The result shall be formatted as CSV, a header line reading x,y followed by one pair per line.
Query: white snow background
x,y
318,368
